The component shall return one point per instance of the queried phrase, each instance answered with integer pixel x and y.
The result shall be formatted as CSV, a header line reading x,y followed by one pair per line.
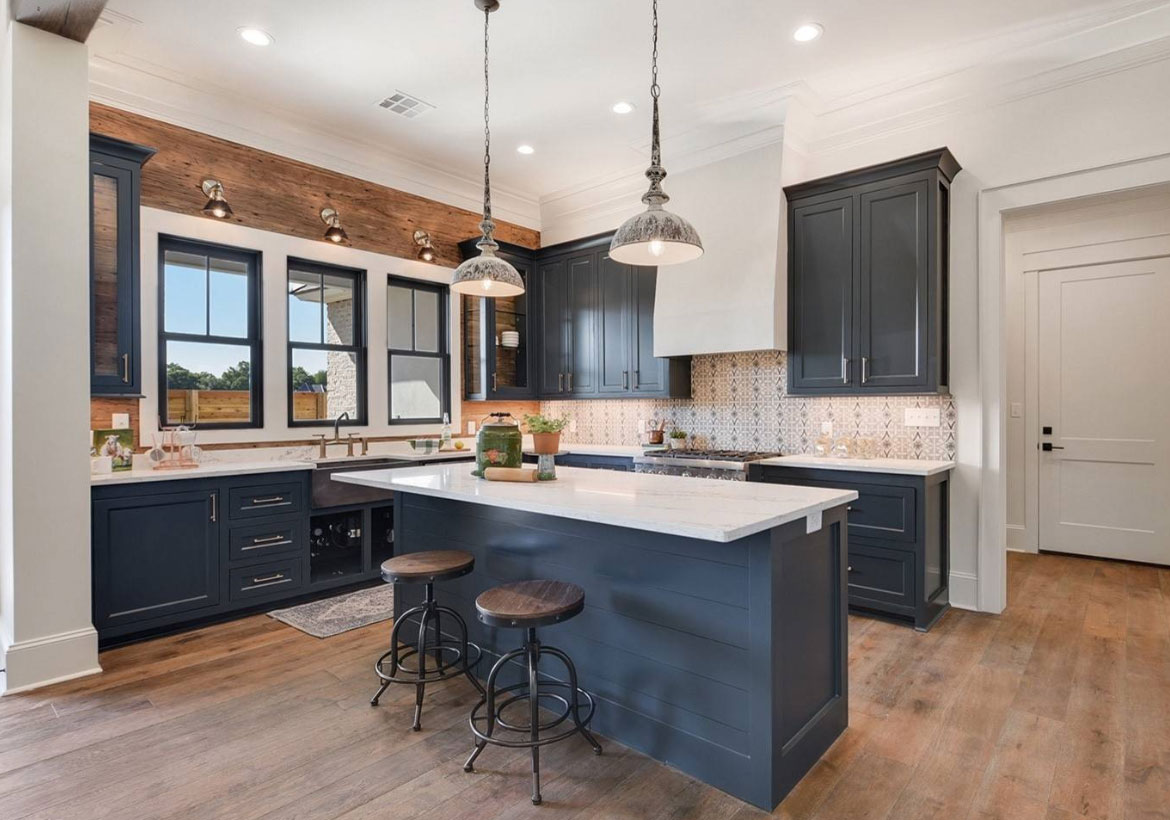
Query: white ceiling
x,y
557,67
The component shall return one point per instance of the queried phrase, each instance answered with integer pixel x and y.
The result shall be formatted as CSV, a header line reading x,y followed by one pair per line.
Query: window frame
x,y
358,347
443,354
254,259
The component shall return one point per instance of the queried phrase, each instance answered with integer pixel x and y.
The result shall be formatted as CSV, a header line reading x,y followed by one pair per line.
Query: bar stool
x,y
452,657
527,605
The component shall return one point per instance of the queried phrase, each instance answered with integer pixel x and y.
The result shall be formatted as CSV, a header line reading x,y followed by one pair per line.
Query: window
x,y
420,364
326,344
209,335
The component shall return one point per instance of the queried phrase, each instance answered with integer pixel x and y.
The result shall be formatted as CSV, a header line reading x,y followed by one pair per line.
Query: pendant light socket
x,y
334,233
217,206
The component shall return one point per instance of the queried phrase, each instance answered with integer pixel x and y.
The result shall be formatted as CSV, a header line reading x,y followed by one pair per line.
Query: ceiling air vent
x,y
404,105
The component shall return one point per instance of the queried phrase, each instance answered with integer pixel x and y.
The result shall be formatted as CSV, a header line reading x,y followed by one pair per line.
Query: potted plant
x,y
678,439
546,432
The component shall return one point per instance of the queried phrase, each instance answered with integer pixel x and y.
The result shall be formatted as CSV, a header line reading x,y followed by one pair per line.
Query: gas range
x,y
730,465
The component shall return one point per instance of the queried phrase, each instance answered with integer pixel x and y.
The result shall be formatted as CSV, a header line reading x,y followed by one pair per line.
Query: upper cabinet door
x,y
821,296
115,171
614,312
552,295
893,333
581,378
511,371
114,364
650,373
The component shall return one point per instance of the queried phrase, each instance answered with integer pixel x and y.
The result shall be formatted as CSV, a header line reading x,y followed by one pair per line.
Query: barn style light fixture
x,y
656,236
216,205
334,233
426,251
487,274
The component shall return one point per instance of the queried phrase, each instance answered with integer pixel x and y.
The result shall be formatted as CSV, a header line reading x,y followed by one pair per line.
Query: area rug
x,y
332,616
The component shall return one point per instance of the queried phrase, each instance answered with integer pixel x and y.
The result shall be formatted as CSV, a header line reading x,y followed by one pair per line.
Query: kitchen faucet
x,y
322,441
336,425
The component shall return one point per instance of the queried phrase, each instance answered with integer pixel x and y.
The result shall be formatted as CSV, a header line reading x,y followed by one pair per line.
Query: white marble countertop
x,y
900,466
205,470
704,508
403,452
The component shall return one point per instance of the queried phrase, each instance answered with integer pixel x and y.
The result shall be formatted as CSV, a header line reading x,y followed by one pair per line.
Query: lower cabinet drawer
x,y
276,578
881,578
257,541
264,500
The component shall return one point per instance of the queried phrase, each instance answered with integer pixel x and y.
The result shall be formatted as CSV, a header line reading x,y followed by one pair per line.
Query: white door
x,y
1104,389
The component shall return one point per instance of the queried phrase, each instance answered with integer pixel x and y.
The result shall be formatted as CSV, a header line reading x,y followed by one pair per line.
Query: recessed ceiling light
x,y
257,37
808,32
525,149
623,107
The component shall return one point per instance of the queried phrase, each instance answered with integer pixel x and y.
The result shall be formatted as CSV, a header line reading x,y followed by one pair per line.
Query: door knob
x,y
1049,447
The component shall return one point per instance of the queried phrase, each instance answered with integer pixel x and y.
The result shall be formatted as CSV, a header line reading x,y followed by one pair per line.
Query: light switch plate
x,y
470,427
121,421
826,428
922,417
572,425
1017,410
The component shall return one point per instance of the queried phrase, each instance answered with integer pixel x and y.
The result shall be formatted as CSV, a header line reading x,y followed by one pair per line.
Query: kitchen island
x,y
714,631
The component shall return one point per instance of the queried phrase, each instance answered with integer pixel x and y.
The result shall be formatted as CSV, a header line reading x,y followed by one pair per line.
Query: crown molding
x,y
142,90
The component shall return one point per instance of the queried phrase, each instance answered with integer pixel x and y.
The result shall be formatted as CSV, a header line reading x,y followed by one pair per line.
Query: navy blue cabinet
x,y
868,277
155,556
899,542
115,344
498,344
596,319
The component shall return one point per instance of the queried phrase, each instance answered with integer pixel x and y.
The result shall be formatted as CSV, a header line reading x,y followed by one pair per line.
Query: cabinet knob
x,y
849,568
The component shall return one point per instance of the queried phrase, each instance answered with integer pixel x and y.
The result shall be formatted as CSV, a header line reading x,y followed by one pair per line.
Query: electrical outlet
x,y
922,417
1017,410
121,421
572,425
470,427
826,428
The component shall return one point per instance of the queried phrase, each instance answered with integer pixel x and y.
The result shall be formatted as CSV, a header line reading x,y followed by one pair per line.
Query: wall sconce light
x,y
216,205
426,251
334,233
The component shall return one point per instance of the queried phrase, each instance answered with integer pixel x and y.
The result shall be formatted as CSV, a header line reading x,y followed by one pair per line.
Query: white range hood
x,y
734,297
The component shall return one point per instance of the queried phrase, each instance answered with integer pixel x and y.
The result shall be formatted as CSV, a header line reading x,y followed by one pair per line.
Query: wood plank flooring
x,y
1059,709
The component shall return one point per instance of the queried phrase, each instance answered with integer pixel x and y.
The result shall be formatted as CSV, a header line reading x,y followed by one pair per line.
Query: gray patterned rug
x,y
332,616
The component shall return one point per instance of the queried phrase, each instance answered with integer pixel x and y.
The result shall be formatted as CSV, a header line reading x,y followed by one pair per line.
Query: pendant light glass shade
x,y
487,274
656,236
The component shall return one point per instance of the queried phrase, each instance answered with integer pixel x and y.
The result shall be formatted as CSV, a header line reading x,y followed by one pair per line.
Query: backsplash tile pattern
x,y
739,402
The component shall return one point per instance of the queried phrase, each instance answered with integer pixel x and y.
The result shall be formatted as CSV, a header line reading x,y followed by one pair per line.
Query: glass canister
x,y
498,444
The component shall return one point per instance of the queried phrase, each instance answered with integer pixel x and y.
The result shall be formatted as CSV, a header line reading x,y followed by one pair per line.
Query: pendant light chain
x,y
655,173
487,226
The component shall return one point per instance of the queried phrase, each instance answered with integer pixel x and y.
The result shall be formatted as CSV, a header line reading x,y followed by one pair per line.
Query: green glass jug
x,y
498,444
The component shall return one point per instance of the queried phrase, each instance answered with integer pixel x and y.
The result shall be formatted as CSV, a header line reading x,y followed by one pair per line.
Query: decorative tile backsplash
x,y
739,403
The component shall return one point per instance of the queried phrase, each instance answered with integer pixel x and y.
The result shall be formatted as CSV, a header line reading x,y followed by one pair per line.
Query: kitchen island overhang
x,y
714,635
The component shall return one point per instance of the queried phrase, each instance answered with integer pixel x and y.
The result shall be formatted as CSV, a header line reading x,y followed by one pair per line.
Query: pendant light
x,y
656,236
487,274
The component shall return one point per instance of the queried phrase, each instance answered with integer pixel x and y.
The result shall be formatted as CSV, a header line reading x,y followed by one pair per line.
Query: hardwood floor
x,y
1059,709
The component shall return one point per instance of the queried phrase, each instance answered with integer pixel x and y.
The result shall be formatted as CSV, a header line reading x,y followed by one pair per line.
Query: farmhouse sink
x,y
329,493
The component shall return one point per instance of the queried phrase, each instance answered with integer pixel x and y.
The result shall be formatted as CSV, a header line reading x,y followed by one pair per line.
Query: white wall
x,y
276,248
1097,118
45,626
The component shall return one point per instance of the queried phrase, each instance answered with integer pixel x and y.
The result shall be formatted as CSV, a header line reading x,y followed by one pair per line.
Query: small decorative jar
x,y
498,444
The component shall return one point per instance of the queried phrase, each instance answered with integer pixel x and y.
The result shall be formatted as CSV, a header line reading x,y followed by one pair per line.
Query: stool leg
x,y
462,624
398,622
533,651
420,688
489,701
574,705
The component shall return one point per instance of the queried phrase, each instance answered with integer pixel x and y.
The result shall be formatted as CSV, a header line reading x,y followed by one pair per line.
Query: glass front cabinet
x,y
497,352
115,169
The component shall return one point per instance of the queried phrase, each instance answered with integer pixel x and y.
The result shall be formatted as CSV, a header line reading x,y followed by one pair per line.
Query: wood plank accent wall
x,y
102,409
275,193
477,411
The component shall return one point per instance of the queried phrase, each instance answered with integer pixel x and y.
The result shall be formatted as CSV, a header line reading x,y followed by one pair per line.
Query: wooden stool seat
x,y
528,604
427,567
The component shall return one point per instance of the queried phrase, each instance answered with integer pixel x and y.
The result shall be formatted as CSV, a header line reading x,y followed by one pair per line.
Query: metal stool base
x,y
459,650
484,726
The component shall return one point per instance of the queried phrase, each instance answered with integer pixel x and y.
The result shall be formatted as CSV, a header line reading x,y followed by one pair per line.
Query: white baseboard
x,y
52,659
964,590
1019,539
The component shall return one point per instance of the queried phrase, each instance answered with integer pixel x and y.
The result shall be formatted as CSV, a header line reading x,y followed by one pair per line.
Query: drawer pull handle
x,y
268,578
271,539
276,499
